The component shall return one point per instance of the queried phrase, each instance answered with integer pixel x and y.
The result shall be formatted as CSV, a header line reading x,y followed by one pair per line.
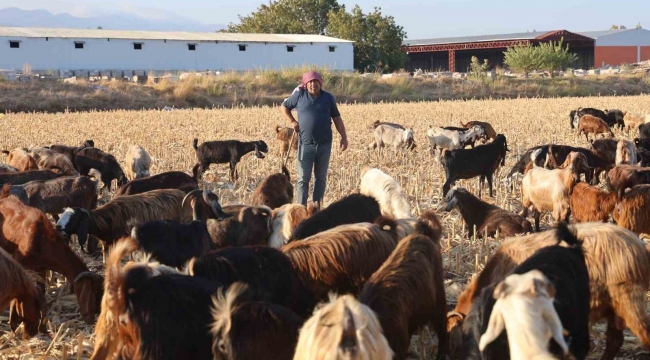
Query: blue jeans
x,y
316,157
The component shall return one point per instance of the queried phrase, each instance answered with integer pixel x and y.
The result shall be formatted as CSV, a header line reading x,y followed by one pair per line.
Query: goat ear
x,y
82,231
495,328
554,323
500,290
348,343
15,315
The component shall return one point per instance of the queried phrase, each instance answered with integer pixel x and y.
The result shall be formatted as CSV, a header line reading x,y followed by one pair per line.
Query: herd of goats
x,y
354,280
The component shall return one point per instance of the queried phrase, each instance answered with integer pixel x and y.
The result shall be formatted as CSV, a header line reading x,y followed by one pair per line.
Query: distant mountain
x,y
117,21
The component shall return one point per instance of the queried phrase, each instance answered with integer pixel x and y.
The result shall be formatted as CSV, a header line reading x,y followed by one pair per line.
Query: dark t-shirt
x,y
314,115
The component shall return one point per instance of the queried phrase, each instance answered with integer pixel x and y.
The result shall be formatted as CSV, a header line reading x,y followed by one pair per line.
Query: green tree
x,y
523,58
554,56
638,25
287,17
477,70
100,28
614,27
377,38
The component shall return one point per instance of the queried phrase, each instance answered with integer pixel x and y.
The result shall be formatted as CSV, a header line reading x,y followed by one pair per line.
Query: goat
x,y
606,150
53,196
589,203
354,208
245,329
250,226
138,163
615,117
626,153
22,177
489,130
482,161
450,140
632,121
4,168
619,274
20,159
342,328
644,131
31,239
53,161
393,202
407,293
229,151
114,219
393,136
275,191
632,212
20,292
622,177
575,115
284,136
557,155
71,151
285,218
93,158
592,125
543,189
378,123
643,156
167,180
268,273
485,217
642,144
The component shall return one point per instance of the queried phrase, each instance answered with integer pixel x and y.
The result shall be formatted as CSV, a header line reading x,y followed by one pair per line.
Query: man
x,y
316,111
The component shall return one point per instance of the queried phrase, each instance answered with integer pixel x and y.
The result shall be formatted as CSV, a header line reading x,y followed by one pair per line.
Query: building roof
x,y
164,35
597,34
477,38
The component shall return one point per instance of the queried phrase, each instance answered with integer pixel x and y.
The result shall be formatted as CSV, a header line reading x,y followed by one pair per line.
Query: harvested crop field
x,y
167,136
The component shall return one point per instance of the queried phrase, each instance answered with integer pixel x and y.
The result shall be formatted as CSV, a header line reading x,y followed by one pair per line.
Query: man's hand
x,y
295,126
344,143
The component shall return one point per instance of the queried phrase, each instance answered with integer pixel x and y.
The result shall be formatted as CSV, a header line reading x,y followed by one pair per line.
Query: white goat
x,y
524,307
391,198
626,153
452,139
393,136
138,163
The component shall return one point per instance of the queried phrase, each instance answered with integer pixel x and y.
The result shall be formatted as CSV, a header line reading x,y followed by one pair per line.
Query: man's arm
x,y
287,113
340,127
289,104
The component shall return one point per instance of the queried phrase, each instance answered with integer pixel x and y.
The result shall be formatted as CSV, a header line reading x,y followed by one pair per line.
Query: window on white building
x,y
137,46
14,44
332,48
78,45
242,47
290,48
191,47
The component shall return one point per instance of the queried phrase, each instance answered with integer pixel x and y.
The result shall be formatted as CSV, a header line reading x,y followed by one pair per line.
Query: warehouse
x,y
595,48
79,49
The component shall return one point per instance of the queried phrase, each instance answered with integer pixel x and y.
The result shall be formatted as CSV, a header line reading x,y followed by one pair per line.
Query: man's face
x,y
313,87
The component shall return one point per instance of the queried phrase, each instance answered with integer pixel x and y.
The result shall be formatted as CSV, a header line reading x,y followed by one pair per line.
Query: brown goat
x,y
32,240
619,274
249,226
633,210
20,291
407,293
283,135
626,153
632,121
622,177
20,159
605,148
57,162
275,191
489,130
484,216
592,125
589,203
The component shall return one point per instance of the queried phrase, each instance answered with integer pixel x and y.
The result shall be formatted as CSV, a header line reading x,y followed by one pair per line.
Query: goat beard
x,y
259,154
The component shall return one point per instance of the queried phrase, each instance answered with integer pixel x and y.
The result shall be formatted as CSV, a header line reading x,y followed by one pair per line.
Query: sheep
x,y
622,177
407,293
275,191
285,135
138,163
245,329
632,121
268,273
393,202
5,168
93,158
393,136
31,239
644,131
619,274
589,124
342,328
285,218
489,130
167,180
53,196
20,159
250,226
543,189
19,291
113,220
626,153
22,177
481,161
642,144
450,140
633,210
71,151
354,208
229,151
485,217
589,203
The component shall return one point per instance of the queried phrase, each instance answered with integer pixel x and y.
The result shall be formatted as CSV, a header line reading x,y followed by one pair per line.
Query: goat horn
x,y
206,193
89,274
188,194
455,313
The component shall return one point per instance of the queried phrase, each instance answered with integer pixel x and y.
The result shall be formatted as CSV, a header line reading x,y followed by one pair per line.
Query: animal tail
x,y
461,123
386,224
195,144
375,124
286,173
429,225
6,152
195,172
115,280
563,233
278,128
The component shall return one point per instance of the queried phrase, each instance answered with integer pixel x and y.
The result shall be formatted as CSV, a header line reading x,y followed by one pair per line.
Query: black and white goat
x,y
228,151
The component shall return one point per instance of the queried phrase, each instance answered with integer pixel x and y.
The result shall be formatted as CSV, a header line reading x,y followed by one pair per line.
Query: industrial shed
x,y
615,47
97,50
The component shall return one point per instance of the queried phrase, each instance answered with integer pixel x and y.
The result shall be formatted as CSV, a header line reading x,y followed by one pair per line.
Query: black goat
x,y
482,161
565,268
615,116
93,158
71,151
228,151
642,143
355,208
167,180
247,225
644,131
267,271
605,148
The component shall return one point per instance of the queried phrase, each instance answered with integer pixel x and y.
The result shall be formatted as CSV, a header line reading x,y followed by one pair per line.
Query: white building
x,y
96,50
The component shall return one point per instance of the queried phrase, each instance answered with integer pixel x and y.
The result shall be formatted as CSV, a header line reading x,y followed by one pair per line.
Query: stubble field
x,y
167,136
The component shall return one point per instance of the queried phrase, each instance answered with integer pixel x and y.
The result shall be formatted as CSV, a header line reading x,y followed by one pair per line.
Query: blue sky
x,y
420,18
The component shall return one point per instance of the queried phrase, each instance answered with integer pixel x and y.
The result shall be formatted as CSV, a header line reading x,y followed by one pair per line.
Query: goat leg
x,y
489,180
614,340
536,215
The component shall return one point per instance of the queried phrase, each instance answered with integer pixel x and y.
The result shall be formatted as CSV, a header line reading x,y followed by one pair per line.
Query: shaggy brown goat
x,y
407,293
57,162
626,153
619,274
250,226
283,135
476,212
20,159
633,210
71,151
275,191
22,177
167,180
589,203
592,125
622,177
489,130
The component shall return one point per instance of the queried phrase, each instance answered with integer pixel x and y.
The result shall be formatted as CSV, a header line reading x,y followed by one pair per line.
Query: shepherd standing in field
x,y
316,111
